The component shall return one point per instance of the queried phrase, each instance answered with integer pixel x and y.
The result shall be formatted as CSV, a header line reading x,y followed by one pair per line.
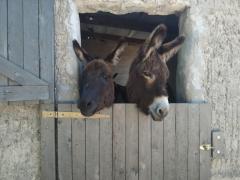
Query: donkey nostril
x,y
160,111
89,104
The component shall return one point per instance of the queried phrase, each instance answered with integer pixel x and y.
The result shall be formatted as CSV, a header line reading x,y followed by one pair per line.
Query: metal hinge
x,y
76,115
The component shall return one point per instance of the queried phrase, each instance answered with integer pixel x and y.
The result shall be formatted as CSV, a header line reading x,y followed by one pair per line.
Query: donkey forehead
x,y
155,65
98,66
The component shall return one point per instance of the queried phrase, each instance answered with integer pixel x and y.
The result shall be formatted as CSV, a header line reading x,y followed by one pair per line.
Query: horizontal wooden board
x,y
22,93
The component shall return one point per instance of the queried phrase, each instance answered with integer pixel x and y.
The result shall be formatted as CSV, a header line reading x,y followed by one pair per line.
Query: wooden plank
x,y
157,150
144,147
120,32
30,42
205,138
78,147
106,145
131,142
21,93
48,166
119,141
3,39
169,145
31,45
64,145
46,43
15,35
18,74
3,36
92,149
181,141
193,141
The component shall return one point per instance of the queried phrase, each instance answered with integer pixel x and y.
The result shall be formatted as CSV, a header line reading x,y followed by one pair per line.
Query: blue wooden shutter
x,y
26,50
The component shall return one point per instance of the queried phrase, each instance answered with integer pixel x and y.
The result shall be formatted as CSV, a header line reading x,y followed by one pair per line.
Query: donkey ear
x,y
81,53
114,56
155,40
168,50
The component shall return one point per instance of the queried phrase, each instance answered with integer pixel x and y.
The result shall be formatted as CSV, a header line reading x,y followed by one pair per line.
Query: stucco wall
x,y
19,142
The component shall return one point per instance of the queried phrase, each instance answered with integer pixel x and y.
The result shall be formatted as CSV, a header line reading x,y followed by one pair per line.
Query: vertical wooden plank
x,y
119,141
181,141
106,146
92,149
205,138
131,142
15,34
144,147
157,150
78,147
193,141
31,50
169,145
64,145
46,43
3,36
48,168
30,40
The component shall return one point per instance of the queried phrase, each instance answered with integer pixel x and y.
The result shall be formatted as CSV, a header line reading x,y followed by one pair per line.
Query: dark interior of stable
x,y
101,31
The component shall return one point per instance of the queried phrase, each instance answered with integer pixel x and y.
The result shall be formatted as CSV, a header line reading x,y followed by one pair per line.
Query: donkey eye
x,y
105,76
147,74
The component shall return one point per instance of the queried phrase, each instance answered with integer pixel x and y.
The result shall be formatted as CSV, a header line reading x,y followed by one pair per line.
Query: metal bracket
x,y
75,115
218,144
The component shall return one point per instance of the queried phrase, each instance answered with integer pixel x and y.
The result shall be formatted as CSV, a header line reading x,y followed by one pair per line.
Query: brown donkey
x,y
148,75
96,82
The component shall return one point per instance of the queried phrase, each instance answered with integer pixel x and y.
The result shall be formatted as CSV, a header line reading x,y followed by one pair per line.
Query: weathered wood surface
x,y
48,160
46,44
64,145
3,37
27,48
78,147
205,138
131,146
23,93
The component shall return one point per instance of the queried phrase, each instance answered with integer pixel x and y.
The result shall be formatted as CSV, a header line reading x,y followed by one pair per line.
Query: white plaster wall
x,y
67,28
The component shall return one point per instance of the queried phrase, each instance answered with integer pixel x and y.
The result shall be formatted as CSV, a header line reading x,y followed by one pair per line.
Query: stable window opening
x,y
101,31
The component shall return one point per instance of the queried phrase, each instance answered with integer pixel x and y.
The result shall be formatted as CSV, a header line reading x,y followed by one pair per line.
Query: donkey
x,y
148,74
96,84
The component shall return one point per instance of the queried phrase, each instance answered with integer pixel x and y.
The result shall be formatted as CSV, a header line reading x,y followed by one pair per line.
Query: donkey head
x,y
147,83
96,82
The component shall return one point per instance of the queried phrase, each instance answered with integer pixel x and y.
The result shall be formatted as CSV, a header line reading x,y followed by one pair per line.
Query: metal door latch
x,y
74,115
206,147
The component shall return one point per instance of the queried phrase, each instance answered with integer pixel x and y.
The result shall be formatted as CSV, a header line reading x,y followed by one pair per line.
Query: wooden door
x,y
131,146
